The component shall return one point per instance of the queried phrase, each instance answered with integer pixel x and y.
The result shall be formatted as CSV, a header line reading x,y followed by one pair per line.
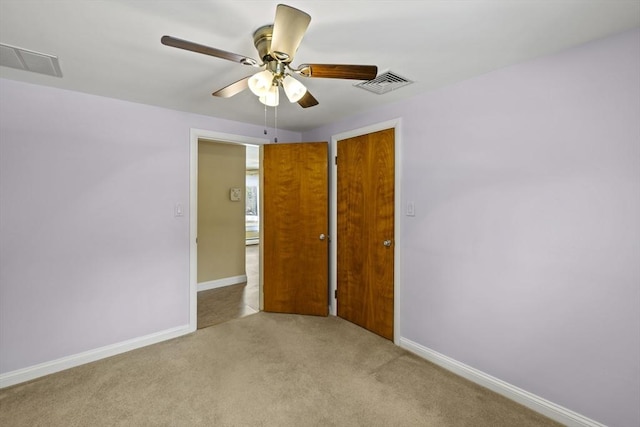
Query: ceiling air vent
x,y
23,59
385,82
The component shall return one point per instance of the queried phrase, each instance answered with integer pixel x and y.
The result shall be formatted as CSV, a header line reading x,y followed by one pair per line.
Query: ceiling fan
x,y
277,45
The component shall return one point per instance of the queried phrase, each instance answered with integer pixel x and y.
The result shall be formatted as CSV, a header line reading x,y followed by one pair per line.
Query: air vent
x,y
385,82
23,59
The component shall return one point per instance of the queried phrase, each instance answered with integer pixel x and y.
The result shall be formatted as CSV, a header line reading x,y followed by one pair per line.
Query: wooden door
x,y
365,258
295,226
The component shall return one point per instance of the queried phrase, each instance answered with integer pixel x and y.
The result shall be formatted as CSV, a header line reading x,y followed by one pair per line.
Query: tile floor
x,y
220,305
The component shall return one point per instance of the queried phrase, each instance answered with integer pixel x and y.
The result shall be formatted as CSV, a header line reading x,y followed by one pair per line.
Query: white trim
x,y
193,229
51,367
261,233
194,135
221,283
333,223
530,400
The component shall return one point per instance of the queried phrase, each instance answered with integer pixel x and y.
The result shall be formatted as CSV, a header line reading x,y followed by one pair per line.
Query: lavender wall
x,y
90,251
523,259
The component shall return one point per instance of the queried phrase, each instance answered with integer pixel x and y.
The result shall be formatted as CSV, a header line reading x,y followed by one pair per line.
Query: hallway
x,y
220,305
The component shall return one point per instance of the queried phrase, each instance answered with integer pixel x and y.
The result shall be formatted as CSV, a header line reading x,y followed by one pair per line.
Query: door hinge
x,y
336,159
335,294
196,240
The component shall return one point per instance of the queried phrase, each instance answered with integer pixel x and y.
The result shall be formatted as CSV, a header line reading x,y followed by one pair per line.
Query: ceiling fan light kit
x,y
265,85
271,98
293,89
277,45
261,83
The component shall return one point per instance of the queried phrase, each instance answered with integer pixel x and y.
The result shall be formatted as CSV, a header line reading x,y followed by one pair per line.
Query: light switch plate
x,y
235,194
177,210
411,209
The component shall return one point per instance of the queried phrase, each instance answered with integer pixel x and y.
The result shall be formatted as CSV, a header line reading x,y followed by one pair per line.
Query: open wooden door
x,y
365,259
295,228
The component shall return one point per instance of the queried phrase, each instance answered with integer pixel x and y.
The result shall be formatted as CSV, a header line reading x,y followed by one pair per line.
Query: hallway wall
x,y
221,221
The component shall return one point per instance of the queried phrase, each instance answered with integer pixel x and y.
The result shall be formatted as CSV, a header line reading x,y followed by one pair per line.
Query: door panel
x,y
366,171
295,215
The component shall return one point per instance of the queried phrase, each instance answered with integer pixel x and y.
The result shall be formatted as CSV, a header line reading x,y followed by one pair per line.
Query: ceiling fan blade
x,y
338,71
198,48
233,88
307,100
288,30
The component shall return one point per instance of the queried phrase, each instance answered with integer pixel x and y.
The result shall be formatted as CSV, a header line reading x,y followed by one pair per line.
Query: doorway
x,y
252,200
228,265
195,136
366,231
251,296
389,244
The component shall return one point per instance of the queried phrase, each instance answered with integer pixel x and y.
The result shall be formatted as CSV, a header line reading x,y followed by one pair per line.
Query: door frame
x,y
194,136
333,218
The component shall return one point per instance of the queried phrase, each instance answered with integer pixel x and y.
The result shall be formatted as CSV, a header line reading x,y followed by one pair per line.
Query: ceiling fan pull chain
x,y
265,119
276,121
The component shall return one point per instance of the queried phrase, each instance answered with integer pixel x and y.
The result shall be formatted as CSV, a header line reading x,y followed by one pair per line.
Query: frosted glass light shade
x,y
272,98
293,89
260,83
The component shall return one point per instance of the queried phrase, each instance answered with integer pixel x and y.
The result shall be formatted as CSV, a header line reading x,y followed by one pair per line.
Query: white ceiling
x,y
112,48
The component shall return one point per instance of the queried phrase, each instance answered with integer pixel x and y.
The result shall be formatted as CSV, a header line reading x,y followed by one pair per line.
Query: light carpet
x,y
262,370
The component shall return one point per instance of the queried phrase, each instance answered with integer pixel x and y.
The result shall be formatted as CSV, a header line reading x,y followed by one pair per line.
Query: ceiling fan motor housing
x,y
262,42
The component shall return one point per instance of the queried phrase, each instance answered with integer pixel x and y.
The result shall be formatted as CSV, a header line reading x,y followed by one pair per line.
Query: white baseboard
x,y
220,283
530,400
47,368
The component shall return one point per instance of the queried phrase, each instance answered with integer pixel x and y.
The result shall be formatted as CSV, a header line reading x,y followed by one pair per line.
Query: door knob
x,y
387,243
322,237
